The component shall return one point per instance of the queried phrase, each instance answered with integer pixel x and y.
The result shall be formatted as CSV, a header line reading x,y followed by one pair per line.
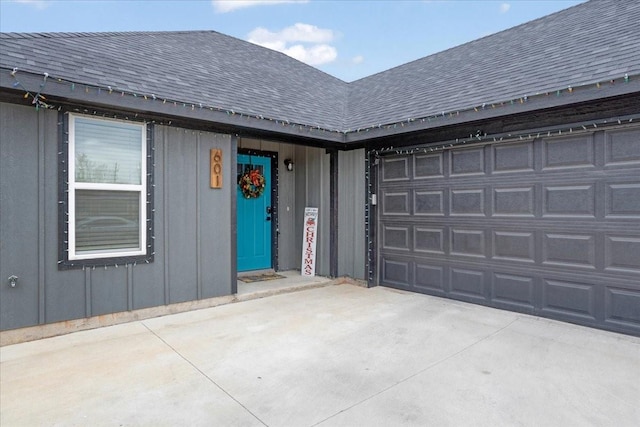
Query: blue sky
x,y
347,39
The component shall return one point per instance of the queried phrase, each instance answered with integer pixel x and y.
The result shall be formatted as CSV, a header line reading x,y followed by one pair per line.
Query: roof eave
x,y
591,94
102,99
244,124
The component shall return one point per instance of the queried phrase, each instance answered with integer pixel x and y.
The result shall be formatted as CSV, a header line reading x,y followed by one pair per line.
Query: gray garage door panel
x,y
548,226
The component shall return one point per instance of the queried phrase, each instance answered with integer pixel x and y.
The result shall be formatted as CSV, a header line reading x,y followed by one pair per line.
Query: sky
x,y
348,39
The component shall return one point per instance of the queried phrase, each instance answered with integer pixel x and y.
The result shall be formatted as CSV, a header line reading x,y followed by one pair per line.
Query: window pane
x,y
107,220
108,152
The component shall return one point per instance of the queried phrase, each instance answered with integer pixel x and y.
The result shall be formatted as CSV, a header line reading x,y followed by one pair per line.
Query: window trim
x,y
68,256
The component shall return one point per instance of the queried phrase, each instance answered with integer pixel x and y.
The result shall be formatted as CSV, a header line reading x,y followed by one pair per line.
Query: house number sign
x,y
216,168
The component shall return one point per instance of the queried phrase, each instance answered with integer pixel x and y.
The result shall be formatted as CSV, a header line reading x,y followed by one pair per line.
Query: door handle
x,y
268,218
269,210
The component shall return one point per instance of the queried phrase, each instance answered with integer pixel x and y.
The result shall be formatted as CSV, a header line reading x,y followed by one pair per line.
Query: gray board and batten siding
x,y
194,225
352,197
193,228
297,189
549,227
308,186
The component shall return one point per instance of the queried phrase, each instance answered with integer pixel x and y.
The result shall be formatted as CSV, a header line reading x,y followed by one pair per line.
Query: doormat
x,y
260,277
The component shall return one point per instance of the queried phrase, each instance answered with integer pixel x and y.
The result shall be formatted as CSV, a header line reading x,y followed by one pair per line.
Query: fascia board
x,y
539,102
105,101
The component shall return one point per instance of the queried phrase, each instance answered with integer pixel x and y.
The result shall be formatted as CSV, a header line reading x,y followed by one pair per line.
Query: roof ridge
x,y
84,34
102,34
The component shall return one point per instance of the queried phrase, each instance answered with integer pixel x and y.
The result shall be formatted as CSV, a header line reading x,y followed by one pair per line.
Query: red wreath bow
x,y
255,177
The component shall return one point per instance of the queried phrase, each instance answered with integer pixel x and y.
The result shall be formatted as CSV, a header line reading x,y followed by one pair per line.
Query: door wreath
x,y
252,184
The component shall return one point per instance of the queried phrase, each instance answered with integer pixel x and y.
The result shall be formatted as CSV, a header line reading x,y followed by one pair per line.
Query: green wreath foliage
x,y
252,184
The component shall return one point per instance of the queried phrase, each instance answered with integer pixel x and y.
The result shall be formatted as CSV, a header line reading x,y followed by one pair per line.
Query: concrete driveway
x,y
340,355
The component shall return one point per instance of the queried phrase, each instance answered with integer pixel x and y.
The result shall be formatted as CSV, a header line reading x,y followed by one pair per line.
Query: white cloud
x,y
224,6
314,55
296,33
359,59
504,7
38,4
304,42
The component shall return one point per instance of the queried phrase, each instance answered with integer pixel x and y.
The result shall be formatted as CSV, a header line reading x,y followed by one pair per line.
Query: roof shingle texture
x,y
588,43
192,66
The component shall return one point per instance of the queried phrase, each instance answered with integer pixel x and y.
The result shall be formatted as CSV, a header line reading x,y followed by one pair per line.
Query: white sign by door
x,y
310,233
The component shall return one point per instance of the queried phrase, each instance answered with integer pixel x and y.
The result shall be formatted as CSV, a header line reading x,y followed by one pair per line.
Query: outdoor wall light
x,y
13,281
289,164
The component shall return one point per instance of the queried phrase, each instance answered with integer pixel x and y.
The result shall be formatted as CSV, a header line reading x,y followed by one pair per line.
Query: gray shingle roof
x,y
585,44
192,66
588,43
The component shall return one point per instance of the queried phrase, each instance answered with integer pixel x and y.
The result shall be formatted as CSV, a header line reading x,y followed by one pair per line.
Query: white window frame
x,y
73,186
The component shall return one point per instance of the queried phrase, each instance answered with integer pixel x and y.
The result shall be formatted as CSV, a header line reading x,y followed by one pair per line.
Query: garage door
x,y
549,227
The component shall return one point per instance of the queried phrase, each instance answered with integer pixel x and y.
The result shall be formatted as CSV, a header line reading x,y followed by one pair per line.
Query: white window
x,y
107,188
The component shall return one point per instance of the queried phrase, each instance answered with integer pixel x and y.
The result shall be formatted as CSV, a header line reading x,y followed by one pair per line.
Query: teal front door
x,y
254,217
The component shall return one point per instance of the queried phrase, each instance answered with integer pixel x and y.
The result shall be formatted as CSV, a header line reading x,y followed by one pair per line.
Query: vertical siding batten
x,y
41,214
128,269
334,220
165,210
198,241
324,225
87,292
300,188
230,168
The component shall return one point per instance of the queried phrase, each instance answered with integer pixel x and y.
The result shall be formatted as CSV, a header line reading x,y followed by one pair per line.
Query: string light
x,y
480,139
63,206
39,102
